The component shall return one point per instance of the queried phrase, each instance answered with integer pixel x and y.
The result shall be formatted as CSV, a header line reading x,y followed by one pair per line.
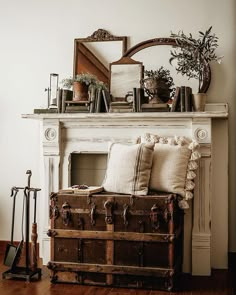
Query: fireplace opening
x,y
88,168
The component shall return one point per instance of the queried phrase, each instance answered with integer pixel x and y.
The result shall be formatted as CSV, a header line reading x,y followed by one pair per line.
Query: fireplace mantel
x,y
63,134
216,110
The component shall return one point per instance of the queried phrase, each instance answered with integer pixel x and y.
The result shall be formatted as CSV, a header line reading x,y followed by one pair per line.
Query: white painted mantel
x,y
63,134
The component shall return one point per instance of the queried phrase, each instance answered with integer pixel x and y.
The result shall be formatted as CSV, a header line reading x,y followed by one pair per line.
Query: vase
x,y
199,102
157,89
80,91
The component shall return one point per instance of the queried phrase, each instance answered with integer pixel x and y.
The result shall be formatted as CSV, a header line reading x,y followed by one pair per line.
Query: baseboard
x,y
232,260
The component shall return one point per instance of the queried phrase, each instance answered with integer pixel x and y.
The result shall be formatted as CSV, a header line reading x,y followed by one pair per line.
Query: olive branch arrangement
x,y
192,54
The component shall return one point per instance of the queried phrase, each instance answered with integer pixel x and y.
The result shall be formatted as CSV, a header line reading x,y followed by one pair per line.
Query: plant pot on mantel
x,y
199,102
80,90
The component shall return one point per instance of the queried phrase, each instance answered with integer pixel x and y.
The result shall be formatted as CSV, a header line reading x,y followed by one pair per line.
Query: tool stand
x,y
30,269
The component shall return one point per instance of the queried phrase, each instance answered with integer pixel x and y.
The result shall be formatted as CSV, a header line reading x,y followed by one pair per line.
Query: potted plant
x,y
80,84
158,85
192,55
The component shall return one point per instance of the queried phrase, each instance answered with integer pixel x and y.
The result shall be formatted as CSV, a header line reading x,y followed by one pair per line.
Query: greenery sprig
x,y
88,79
193,54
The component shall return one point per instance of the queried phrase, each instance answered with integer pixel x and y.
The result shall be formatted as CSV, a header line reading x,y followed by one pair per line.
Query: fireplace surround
x,y
63,136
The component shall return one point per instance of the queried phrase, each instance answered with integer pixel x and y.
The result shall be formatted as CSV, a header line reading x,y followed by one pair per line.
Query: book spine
x,y
59,100
92,100
105,95
135,99
182,98
77,108
118,110
99,101
139,98
190,100
66,95
176,100
156,110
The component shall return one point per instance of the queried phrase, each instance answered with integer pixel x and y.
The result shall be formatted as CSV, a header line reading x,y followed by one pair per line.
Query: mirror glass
x,y
94,53
155,57
155,53
125,75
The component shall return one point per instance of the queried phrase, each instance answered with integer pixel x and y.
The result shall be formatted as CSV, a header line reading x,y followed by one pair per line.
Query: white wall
x,y
37,39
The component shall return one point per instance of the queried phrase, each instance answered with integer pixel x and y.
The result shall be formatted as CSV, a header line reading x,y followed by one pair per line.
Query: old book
x,y
134,99
188,99
156,109
75,189
140,98
92,96
176,100
106,98
45,111
59,100
119,103
154,105
121,110
182,98
75,102
81,111
128,106
98,101
65,96
77,108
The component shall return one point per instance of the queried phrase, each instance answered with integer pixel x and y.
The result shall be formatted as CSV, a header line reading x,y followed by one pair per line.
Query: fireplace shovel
x,y
13,252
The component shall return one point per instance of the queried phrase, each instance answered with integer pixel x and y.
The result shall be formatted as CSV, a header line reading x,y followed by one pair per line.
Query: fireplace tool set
x,y
13,253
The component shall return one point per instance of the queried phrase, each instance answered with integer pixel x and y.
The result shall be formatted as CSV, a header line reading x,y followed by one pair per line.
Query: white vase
x,y
199,102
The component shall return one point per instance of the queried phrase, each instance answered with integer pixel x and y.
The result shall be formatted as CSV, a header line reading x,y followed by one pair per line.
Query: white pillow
x,y
128,168
174,162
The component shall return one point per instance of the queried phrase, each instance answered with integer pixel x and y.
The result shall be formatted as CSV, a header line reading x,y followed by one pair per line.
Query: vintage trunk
x,y
116,240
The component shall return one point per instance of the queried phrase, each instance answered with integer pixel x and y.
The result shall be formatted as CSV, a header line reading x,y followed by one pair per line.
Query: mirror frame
x,y
100,35
171,42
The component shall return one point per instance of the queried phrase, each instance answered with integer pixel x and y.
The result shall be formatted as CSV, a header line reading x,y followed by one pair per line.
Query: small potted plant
x,y
192,55
80,84
158,85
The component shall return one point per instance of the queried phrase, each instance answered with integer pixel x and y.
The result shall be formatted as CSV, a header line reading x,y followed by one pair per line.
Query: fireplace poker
x,y
34,234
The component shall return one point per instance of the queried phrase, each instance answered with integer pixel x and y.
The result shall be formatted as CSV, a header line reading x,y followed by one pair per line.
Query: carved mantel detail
x,y
50,134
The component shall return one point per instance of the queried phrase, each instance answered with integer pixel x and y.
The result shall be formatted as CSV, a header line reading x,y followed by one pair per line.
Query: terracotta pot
x,y
199,102
80,91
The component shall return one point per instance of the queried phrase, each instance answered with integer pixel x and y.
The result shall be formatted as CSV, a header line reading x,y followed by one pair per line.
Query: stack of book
x,y
182,101
99,100
77,106
155,107
87,190
121,107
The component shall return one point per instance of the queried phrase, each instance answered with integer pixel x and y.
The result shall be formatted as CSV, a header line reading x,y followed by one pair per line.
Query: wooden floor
x,y
221,282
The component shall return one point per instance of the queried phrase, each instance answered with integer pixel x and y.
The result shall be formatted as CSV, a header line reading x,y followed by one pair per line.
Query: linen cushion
x,y
174,162
128,168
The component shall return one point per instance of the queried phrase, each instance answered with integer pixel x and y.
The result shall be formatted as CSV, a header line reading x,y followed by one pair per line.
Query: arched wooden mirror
x,y
94,53
153,56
